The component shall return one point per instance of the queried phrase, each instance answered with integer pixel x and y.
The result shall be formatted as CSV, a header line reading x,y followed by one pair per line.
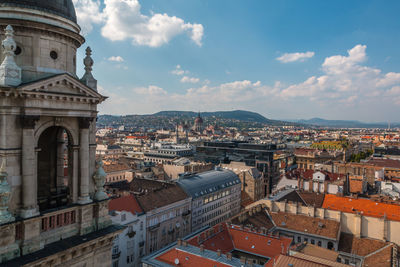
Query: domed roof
x,y
198,119
63,8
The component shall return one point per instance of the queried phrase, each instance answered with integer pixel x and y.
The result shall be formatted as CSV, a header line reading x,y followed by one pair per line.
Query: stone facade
x,y
49,117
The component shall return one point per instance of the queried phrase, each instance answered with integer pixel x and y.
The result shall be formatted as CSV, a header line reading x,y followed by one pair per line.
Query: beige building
x,y
167,208
306,158
252,180
117,172
49,216
184,165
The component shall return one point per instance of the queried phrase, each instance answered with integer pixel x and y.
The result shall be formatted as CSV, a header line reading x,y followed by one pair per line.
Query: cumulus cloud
x,y
179,71
116,59
123,20
150,90
88,13
346,79
292,57
187,79
347,88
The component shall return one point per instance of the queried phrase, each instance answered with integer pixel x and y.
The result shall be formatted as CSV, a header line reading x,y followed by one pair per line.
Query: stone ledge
x,y
62,246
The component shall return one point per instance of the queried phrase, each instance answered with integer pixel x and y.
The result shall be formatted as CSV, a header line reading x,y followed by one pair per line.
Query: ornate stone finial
x,y
99,180
5,192
88,78
10,73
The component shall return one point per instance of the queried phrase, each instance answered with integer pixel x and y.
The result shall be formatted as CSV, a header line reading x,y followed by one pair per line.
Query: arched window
x,y
54,168
330,245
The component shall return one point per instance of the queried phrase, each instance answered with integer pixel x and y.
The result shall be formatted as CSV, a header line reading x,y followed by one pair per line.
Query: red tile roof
x,y
187,259
364,206
125,203
255,243
234,237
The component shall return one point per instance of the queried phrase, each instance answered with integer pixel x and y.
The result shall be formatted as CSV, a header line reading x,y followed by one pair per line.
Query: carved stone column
x,y
29,175
84,124
75,173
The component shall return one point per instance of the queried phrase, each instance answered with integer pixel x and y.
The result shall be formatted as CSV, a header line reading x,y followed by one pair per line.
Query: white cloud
x,y
150,90
346,89
179,71
292,57
346,79
187,79
123,20
88,13
116,59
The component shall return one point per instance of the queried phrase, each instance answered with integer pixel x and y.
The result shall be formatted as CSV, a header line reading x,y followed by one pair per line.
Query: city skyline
x,y
284,60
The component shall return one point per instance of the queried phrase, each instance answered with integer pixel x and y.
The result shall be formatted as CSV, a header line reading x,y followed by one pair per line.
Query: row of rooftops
x,y
152,194
226,243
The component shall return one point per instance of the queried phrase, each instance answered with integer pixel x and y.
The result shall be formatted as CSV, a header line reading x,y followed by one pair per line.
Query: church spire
x,y
10,73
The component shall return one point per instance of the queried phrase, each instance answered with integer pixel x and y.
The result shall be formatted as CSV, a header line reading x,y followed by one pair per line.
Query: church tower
x,y
53,187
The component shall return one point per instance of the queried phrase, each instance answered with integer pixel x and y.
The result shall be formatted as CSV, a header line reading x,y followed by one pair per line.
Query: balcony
x,y
154,227
186,213
115,255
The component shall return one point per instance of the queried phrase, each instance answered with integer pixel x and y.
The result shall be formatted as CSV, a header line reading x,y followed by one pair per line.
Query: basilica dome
x,y
63,8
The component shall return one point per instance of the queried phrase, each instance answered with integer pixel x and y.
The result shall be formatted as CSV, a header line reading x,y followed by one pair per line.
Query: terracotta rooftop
x,y
125,203
382,258
187,259
316,251
285,261
258,219
312,198
360,246
161,198
364,206
306,224
108,168
231,237
388,163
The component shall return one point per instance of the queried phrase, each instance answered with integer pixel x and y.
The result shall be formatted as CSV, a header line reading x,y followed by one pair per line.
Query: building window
x,y
312,241
319,243
330,245
54,55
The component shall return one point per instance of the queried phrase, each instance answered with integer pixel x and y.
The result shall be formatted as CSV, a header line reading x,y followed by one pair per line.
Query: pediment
x,y
61,86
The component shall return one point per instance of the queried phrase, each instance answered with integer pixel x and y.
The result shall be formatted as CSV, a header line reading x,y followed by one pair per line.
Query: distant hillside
x,y
169,119
343,123
240,115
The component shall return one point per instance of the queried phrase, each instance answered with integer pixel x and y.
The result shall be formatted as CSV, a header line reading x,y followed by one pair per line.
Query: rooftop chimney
x,y
219,253
229,256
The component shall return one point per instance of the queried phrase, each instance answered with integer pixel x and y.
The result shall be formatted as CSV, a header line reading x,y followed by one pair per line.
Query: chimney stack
x,y
219,253
229,256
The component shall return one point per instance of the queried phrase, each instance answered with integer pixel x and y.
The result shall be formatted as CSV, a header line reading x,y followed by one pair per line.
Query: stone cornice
x,y
79,93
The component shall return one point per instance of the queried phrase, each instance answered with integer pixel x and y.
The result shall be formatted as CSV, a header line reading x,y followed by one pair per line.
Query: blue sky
x,y
283,59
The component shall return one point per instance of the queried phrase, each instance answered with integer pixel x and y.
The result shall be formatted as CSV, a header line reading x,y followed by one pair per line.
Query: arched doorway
x,y
54,168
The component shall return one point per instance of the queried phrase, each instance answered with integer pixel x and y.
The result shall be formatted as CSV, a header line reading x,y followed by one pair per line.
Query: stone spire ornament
x,y
5,192
10,73
88,78
99,180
